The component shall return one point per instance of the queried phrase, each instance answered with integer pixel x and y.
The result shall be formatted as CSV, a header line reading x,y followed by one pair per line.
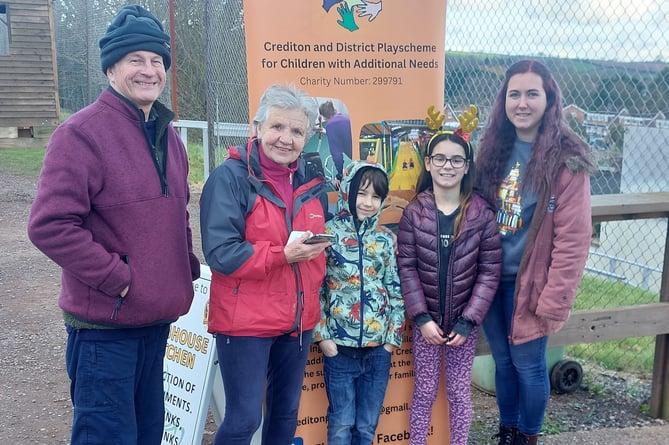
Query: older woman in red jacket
x,y
265,287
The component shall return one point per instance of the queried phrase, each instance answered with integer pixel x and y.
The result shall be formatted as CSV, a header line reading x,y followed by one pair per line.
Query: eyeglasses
x,y
441,160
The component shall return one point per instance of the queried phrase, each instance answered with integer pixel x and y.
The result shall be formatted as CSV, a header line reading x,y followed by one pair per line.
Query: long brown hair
x,y
555,141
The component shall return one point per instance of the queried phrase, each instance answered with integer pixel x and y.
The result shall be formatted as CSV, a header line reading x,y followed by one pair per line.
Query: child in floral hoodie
x,y
362,312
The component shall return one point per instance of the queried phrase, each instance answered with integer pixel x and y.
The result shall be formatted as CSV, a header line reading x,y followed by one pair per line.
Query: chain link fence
x,y
609,62
608,58
210,62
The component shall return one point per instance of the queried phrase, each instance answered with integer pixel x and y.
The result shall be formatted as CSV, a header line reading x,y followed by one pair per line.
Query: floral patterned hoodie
x,y
361,303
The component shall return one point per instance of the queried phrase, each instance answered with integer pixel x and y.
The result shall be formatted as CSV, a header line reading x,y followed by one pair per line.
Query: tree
x,y
658,92
190,66
79,76
618,92
80,24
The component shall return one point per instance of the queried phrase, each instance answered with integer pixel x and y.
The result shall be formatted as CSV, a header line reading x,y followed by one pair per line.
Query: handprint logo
x,y
348,8
347,20
369,9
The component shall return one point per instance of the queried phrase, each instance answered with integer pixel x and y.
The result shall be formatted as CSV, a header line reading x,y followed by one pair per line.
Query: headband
x,y
468,123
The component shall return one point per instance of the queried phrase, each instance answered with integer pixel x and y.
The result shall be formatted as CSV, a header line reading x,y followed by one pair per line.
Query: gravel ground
x,y
608,410
34,394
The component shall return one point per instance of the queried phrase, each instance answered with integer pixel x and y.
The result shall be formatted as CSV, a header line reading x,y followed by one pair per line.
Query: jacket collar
x,y
120,103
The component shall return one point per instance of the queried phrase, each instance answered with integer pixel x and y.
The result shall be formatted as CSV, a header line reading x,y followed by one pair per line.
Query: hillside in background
x,y
597,86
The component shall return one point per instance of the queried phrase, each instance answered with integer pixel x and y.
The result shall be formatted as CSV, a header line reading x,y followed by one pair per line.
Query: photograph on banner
x,y
398,145
332,140
188,370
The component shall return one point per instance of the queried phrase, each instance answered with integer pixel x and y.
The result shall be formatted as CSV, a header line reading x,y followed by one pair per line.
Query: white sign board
x,y
188,370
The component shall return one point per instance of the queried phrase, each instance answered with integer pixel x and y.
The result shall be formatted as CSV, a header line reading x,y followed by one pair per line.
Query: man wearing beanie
x,y
111,211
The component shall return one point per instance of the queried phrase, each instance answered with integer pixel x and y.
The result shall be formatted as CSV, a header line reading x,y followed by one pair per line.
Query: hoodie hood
x,y
343,201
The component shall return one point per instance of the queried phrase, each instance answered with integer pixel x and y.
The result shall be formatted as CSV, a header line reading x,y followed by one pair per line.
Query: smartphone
x,y
319,238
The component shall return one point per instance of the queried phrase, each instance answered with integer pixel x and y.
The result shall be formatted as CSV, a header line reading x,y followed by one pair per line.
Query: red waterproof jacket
x,y
245,226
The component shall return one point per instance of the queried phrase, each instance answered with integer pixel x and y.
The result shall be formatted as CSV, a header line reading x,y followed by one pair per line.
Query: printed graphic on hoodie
x,y
509,215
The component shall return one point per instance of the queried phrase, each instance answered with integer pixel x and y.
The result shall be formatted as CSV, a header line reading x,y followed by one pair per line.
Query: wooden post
x,y
659,397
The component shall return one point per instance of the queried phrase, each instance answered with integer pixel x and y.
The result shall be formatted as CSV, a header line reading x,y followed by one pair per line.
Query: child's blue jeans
x,y
355,381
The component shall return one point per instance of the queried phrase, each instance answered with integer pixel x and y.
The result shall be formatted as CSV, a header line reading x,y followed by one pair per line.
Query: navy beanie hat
x,y
133,29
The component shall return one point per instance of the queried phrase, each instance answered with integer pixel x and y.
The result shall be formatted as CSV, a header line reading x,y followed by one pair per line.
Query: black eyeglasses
x,y
440,161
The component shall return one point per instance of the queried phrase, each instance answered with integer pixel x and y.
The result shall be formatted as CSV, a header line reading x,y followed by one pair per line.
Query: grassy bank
x,y
22,161
634,354
28,161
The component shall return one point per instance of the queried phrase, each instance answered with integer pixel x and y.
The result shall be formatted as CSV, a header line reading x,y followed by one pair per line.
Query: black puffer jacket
x,y
474,266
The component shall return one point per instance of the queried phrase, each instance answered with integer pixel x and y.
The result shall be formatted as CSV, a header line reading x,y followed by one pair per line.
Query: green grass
x,y
634,355
597,293
630,354
22,161
593,386
28,161
196,163
552,427
64,114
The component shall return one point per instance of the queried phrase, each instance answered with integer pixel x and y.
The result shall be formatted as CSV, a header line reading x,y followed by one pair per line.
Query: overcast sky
x,y
623,30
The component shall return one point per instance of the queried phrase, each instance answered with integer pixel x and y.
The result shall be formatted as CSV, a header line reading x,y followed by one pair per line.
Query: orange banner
x,y
387,64
382,64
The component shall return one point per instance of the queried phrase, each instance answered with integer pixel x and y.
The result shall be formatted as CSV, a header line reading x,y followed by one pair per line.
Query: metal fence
x,y
608,58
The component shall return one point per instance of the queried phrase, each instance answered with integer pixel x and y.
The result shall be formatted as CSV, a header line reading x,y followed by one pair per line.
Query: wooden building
x,y
29,107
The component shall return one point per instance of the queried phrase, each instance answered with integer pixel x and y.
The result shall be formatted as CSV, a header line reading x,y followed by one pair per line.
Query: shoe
x,y
524,439
506,435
